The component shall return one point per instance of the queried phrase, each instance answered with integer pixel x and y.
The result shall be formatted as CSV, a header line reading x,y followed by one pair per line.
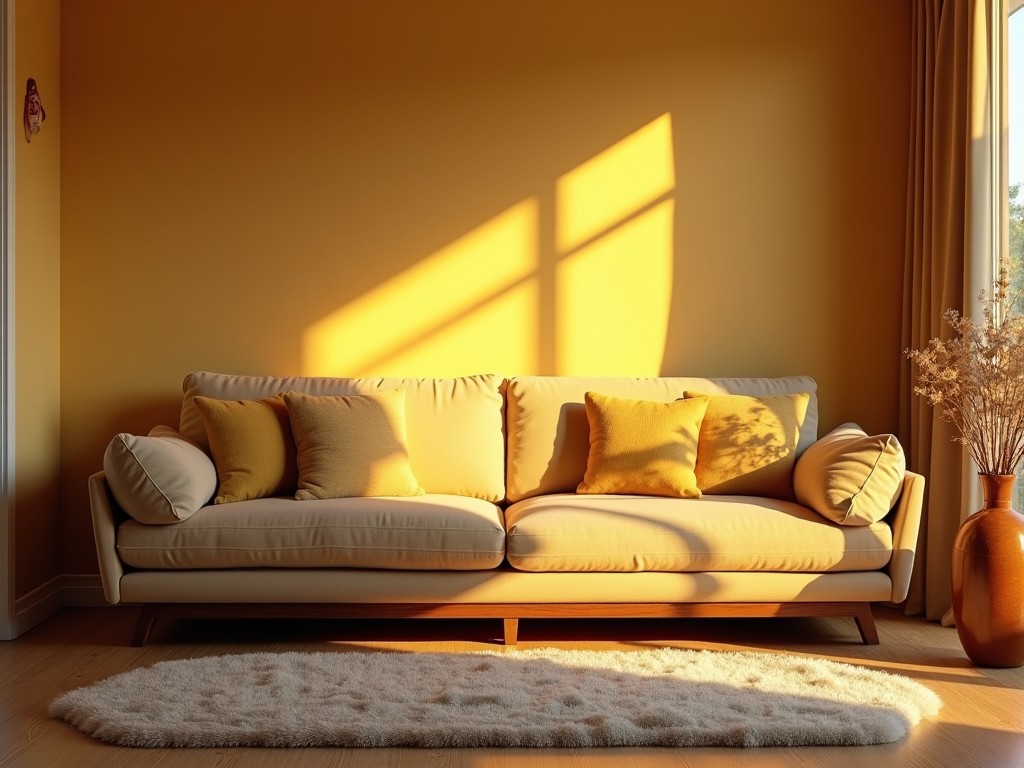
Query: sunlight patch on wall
x,y
478,304
615,184
498,337
613,299
466,309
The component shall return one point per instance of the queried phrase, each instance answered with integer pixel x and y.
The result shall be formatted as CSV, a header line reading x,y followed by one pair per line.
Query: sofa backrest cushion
x,y
548,433
747,445
455,425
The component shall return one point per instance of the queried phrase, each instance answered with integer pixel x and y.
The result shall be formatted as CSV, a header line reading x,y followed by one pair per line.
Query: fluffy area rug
x,y
512,698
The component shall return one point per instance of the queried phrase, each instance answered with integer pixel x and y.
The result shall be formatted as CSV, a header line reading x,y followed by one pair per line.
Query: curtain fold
x,y
948,256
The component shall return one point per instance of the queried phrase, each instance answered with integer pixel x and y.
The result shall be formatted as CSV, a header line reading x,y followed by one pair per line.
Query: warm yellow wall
x,y
248,184
37,299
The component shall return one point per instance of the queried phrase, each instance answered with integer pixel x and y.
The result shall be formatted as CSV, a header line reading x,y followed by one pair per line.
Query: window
x,y
1015,138
1014,44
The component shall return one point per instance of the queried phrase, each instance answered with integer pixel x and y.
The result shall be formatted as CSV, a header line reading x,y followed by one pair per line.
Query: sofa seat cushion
x,y
431,532
566,532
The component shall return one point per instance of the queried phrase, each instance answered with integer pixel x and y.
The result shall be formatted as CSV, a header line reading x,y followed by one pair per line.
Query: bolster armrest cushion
x,y
850,477
161,478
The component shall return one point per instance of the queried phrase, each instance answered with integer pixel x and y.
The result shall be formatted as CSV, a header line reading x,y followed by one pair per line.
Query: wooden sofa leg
x,y
144,627
511,631
866,624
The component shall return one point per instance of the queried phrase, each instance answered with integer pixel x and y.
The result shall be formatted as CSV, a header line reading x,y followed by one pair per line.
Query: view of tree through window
x,y
1015,150
1015,107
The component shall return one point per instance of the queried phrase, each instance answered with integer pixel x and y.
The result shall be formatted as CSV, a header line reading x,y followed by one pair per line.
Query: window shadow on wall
x,y
590,296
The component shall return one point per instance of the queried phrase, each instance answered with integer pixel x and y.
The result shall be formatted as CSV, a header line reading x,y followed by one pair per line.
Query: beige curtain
x,y
948,255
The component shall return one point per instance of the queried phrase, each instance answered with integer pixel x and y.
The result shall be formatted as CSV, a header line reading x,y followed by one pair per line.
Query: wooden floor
x,y
981,723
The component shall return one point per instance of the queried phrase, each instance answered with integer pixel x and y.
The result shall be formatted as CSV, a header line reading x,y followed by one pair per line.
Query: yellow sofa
x,y
499,530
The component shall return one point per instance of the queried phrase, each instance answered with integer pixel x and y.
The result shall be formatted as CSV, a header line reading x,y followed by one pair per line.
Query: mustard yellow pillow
x,y
747,444
642,447
252,447
351,446
850,477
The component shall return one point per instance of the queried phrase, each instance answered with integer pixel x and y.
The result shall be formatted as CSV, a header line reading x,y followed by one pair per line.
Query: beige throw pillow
x,y
642,447
252,446
850,477
748,444
159,479
351,446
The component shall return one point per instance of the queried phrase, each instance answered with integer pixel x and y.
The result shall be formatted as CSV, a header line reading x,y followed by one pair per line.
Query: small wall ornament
x,y
34,112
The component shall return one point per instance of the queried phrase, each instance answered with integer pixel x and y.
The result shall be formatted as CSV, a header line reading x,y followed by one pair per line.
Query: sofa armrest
x,y
104,526
905,520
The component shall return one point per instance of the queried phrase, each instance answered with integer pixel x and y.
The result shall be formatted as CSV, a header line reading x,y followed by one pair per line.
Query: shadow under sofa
x,y
499,532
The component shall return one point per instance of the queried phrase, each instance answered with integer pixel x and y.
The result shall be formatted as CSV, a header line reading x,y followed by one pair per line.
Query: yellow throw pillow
x,y
642,447
747,444
850,477
252,447
351,446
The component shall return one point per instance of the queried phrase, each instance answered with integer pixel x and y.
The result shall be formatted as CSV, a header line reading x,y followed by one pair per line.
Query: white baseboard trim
x,y
83,590
37,606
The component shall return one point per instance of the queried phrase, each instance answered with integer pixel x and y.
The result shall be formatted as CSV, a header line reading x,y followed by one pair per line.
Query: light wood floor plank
x,y
981,724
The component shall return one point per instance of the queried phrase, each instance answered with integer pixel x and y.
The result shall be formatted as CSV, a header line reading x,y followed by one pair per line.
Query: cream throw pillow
x,y
252,446
748,444
351,446
642,447
850,477
159,479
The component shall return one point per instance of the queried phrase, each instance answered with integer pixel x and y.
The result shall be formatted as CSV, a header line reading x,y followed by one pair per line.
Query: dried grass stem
x,y
976,379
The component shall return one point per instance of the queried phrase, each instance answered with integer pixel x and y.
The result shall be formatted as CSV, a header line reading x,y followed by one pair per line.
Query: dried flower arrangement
x,y
976,379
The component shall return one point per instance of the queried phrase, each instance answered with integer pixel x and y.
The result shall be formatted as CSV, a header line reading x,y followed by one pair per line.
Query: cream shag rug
x,y
539,698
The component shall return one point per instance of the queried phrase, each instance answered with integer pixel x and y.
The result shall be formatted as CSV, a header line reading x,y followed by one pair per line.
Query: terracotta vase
x,y
988,579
